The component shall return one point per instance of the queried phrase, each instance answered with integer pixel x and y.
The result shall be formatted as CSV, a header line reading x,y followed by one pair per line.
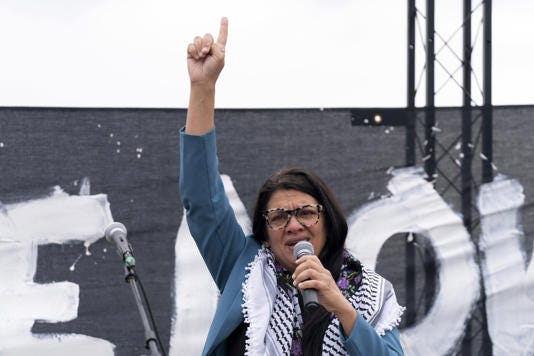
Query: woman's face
x,y
282,241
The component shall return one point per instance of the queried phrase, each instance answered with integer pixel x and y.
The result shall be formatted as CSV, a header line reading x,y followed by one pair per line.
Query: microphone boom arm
x,y
116,235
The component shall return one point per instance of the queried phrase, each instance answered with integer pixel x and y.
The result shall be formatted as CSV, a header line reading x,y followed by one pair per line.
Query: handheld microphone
x,y
309,296
116,235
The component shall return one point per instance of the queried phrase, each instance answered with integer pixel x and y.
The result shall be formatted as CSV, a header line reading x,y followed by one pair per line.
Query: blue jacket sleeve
x,y
210,217
363,340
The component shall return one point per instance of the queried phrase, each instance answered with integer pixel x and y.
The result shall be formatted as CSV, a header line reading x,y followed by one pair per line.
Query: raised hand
x,y
205,58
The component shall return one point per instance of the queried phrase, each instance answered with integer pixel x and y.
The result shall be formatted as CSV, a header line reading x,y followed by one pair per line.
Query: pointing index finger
x,y
223,32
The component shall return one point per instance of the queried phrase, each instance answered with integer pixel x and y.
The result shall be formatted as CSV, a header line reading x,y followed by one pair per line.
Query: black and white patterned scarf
x,y
272,311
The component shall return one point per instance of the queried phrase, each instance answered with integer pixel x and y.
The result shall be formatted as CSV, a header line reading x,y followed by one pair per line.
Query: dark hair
x,y
331,256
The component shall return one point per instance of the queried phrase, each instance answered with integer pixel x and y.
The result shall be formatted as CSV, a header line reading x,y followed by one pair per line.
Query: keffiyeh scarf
x,y
272,311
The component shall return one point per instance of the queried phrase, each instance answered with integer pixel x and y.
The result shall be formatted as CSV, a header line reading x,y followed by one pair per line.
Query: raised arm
x,y
205,61
210,217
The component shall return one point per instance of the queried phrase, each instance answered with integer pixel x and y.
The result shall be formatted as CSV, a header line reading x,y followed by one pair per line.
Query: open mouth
x,y
292,244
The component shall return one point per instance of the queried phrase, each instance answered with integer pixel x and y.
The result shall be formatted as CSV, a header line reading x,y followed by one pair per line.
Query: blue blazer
x,y
227,251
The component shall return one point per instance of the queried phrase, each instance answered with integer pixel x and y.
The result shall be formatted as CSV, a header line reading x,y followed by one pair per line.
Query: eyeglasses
x,y
307,215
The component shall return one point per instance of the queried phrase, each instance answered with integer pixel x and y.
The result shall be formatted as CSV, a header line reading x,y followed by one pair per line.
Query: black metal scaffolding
x,y
477,327
452,177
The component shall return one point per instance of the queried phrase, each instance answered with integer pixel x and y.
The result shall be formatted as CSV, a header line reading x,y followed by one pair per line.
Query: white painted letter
x,y
509,305
416,207
55,219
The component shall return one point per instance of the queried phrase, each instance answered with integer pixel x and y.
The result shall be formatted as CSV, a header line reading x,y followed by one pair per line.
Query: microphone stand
x,y
132,279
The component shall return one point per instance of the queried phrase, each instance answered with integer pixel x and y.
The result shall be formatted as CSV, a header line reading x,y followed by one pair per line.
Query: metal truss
x,y
449,151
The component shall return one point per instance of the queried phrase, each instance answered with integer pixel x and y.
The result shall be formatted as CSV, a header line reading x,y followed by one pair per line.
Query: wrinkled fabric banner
x,y
68,172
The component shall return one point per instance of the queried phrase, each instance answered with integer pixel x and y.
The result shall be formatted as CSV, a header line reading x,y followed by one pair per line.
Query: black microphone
x,y
309,296
116,235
